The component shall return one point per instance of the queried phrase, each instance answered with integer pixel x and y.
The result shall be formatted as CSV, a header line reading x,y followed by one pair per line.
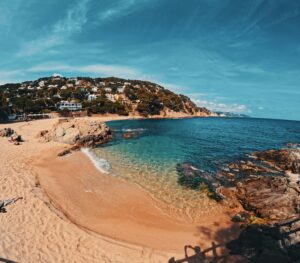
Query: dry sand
x,y
73,213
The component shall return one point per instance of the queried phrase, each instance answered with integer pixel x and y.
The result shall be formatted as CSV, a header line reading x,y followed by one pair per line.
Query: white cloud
x,y
216,106
72,23
119,9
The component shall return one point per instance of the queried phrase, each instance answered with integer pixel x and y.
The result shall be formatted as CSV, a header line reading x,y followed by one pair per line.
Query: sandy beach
x,y
73,213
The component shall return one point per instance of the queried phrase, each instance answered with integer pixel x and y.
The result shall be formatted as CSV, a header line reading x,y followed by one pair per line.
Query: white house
x,y
110,97
70,85
107,89
72,106
91,97
94,89
102,83
42,83
121,89
64,87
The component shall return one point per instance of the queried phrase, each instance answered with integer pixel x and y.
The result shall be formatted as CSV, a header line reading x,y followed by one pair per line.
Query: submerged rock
x,y
79,132
194,178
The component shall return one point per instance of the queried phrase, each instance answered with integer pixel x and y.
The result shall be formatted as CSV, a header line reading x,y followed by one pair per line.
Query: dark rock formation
x,y
267,183
269,244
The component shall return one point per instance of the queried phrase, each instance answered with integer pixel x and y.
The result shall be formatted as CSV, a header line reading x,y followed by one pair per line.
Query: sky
x,y
226,55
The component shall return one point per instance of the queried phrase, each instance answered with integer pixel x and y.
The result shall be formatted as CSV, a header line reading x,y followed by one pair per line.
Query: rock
x,y
64,152
128,135
268,184
79,132
42,133
285,159
194,178
68,151
241,217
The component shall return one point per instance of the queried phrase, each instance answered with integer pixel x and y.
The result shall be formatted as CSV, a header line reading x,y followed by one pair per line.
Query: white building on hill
x,y
72,106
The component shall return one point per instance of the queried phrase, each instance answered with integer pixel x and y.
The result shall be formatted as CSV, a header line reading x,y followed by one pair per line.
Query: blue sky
x,y
228,55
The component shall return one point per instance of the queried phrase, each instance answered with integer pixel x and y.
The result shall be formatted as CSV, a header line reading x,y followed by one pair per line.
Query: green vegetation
x,y
99,95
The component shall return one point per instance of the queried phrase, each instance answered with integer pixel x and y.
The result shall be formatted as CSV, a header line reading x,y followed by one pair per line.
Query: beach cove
x,y
72,212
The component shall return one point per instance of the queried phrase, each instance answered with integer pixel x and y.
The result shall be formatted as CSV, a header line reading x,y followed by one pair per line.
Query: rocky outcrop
x,y
79,132
265,183
268,183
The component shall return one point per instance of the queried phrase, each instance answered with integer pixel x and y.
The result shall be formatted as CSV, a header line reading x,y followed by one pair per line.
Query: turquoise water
x,y
150,157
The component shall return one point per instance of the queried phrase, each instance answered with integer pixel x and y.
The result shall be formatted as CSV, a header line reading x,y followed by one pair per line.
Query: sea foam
x,y
101,164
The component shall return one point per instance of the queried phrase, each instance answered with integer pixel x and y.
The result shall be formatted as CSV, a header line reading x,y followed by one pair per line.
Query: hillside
x,y
95,95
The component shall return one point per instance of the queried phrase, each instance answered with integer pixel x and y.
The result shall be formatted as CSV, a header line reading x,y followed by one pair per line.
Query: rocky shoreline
x,y
266,185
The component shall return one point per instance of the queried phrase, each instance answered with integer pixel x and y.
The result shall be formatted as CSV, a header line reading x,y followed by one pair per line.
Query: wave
x,y
131,130
101,164
134,130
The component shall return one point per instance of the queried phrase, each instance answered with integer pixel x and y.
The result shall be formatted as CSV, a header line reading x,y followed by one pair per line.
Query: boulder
x,y
79,132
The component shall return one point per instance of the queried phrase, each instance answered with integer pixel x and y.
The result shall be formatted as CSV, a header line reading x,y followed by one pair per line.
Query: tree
x,y
3,107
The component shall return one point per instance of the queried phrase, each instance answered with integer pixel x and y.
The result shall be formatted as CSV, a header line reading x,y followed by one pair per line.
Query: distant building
x,y
64,87
121,89
12,117
91,97
72,106
110,97
70,85
94,89
107,89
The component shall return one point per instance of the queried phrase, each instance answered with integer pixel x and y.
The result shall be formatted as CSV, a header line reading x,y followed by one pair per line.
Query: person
x,y
6,202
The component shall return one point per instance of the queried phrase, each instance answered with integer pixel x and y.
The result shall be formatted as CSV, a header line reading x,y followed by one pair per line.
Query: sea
x,y
147,152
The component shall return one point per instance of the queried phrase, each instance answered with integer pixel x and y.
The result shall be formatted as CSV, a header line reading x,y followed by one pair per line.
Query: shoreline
x,y
144,219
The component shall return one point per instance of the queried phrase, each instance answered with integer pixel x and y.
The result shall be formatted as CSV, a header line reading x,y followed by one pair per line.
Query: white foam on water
x,y
134,130
101,164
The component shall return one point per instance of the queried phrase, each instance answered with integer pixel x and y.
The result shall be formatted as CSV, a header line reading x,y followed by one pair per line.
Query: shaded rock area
x,y
78,132
194,178
278,243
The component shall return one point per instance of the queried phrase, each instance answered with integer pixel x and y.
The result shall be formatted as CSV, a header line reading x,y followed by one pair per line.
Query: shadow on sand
x,y
278,243
7,260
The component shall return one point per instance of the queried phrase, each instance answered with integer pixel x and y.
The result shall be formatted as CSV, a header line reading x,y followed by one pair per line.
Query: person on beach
x,y
6,202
